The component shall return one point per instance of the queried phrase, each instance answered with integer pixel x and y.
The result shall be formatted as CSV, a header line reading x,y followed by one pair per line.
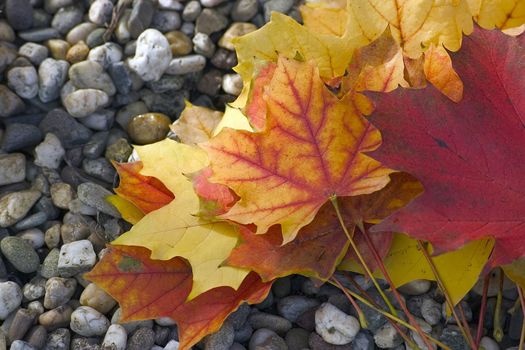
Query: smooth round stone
x,y
99,168
121,32
80,32
203,45
66,18
37,337
416,287
19,14
52,75
387,337
122,77
36,53
59,291
191,11
58,48
94,196
266,339
91,75
488,344
6,32
50,264
186,64
88,322
188,28
96,145
16,205
165,21
12,168
152,56
49,153
11,298
62,194
7,56
244,10
116,338
431,311
67,129
220,340
106,54
210,83
140,17
52,238
77,52
10,102
96,37
83,102
39,35
149,128
334,326
52,6
232,84
180,43
35,289
100,120
236,30
293,306
41,19
24,81
20,253
297,339
56,318
275,323
33,236
211,3
97,298
119,151
100,12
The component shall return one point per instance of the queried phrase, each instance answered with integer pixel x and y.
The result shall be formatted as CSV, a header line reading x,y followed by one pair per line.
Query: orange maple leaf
x,y
310,151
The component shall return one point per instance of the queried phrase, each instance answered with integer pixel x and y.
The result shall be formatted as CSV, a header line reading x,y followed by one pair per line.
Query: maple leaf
x,y
145,288
129,211
174,230
311,150
327,16
502,14
216,199
206,313
468,156
439,72
255,108
196,124
459,270
516,272
146,192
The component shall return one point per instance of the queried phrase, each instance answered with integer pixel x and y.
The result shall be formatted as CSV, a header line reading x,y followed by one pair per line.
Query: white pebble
x,y
186,64
115,338
152,56
416,287
24,81
488,344
10,298
76,257
50,152
88,322
232,84
84,102
172,345
34,236
100,12
334,325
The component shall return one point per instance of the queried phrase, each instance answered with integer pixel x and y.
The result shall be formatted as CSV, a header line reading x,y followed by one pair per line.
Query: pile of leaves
x,y
359,143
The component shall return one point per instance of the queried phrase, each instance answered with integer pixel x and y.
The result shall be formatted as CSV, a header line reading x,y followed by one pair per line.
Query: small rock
x,y
37,337
33,236
56,318
59,291
77,52
50,152
335,326
191,11
488,344
10,102
95,196
142,338
20,253
35,53
67,129
224,59
39,35
265,339
19,14
106,54
58,340
35,289
141,16
88,322
293,306
232,84
174,345
58,48
210,83
275,323
24,81
387,337
149,128
122,76
119,151
6,32
210,21
453,338
186,64
237,29
130,326
97,298
62,194
115,339
83,102
282,6
244,10
52,75
21,323
180,43
21,345
101,120
11,297
100,12
76,257
18,136
91,75
203,45
221,340
466,310
165,21
297,339
66,18
96,38
431,311
50,265
12,168
152,56
16,205
80,32
416,287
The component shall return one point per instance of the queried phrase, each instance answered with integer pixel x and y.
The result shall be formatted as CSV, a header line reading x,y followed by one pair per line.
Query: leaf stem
x,y
335,204
498,330
522,301
398,297
362,318
481,321
464,331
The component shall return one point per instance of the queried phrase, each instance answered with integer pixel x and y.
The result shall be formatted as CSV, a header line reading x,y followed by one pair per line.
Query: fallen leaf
x,y
516,272
439,72
325,16
502,14
469,156
233,118
174,230
216,199
312,149
206,313
459,270
144,288
128,210
255,108
196,124
145,192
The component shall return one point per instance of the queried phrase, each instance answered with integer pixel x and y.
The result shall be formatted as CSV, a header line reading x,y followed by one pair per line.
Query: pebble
x,y
186,64
39,35
334,326
10,298
77,53
52,75
152,56
297,339
59,291
50,152
416,287
293,306
67,129
16,205
100,120
76,257
20,253
116,338
88,322
84,102
282,6
96,37
66,18
80,32
452,337
100,12
211,3
23,81
387,337
275,323
265,339
58,48
19,14
237,29
165,21
33,236
105,54
56,318
244,10
191,11
431,311
210,21
142,338
61,194
19,136
148,128
6,32
21,323
12,168
34,289
37,336
95,196
10,102
210,83
7,56
21,345
97,298
58,339
34,52
232,84
180,43
174,345
203,45
91,75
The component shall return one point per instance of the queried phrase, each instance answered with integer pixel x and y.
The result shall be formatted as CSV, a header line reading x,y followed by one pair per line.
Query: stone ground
x,y
71,102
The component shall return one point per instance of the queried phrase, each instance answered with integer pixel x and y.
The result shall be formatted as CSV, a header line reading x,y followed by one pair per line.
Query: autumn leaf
x,y
175,230
206,313
255,108
468,156
144,288
233,118
326,16
216,199
459,270
145,192
196,124
439,72
502,14
516,272
312,149
128,210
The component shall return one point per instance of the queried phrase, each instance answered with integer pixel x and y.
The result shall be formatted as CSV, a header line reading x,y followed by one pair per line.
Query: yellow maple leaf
x,y
129,211
459,270
516,272
174,230
196,124
501,14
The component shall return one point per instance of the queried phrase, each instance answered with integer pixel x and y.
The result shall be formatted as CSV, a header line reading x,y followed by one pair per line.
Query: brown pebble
x,y
56,318
22,321
180,43
37,336
77,53
58,48
149,128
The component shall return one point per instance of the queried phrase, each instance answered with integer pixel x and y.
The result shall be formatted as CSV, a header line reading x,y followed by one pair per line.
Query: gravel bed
x,y
74,96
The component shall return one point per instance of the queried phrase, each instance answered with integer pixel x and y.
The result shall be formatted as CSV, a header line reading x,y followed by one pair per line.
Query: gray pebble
x,y
66,18
96,145
18,136
19,14
387,337
91,75
141,16
7,56
80,32
95,196
53,6
16,205
24,81
59,291
58,339
221,340
100,12
21,345
34,289
20,253
37,336
10,298
21,323
39,35
100,120
191,11
52,75
293,306
210,83
166,21
416,287
297,339
275,323
265,339
95,37
41,19
121,77
29,222
142,338
244,10
99,168
88,322
50,265
12,168
431,311
186,64
10,102
49,153
106,54
282,6
84,102
6,32
452,337
67,129
210,21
